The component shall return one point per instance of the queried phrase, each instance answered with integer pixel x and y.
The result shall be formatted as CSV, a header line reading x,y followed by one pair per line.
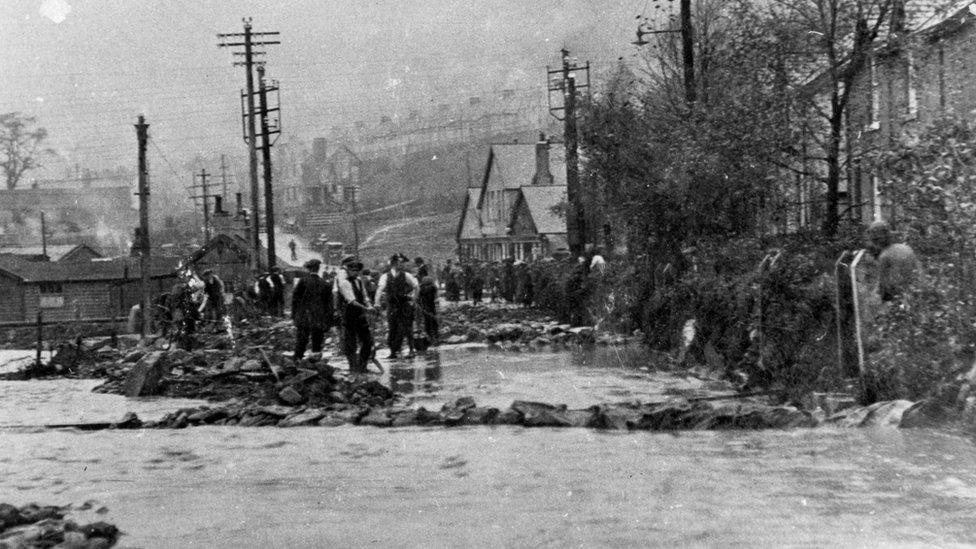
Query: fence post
x,y
40,336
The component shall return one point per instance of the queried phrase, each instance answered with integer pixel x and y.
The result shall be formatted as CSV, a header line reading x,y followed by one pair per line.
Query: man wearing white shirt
x,y
397,290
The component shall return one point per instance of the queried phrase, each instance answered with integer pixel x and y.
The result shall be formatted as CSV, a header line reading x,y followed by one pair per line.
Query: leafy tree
x,y
678,176
20,143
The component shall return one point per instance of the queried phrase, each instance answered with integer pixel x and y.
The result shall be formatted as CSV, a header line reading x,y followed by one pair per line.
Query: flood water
x,y
489,486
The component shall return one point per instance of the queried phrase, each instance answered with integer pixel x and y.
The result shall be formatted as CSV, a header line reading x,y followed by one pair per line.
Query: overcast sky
x,y
88,68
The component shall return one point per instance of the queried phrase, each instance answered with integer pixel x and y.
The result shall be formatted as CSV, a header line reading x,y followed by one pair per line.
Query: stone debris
x,y
674,415
35,526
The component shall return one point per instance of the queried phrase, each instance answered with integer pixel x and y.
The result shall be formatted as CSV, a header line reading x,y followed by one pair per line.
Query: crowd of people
x,y
351,297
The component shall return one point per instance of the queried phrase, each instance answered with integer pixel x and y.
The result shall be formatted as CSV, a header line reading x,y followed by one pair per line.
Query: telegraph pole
x,y
352,194
206,202
266,143
576,226
249,134
142,134
44,238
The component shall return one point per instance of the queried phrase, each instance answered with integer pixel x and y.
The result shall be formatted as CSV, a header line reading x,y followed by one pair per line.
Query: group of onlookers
x,y
506,280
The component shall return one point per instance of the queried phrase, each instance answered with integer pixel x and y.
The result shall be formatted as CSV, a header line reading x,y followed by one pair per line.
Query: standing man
x,y
213,297
354,305
398,292
428,309
422,268
278,291
265,292
311,309
294,249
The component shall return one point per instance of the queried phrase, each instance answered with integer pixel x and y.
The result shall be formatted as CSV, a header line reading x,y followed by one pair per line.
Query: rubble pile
x,y
34,526
667,416
513,328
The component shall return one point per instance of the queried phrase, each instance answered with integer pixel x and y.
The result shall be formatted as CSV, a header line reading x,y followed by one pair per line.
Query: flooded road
x,y
493,486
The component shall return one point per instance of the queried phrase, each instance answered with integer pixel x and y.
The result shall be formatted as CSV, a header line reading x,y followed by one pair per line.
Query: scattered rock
x,y
377,417
304,418
289,395
35,526
924,413
144,378
252,365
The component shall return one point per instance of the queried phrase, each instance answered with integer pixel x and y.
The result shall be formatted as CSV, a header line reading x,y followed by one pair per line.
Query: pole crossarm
x,y
248,123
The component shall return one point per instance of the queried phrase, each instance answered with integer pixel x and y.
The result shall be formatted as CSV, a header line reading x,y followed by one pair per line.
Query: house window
x,y
874,121
52,295
911,91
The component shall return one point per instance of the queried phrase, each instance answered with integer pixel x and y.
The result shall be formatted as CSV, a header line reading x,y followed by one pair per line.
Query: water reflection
x,y
421,375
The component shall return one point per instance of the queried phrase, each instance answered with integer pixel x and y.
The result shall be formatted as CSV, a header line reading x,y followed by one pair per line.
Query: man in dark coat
x,y
428,309
213,292
354,306
277,292
311,309
422,268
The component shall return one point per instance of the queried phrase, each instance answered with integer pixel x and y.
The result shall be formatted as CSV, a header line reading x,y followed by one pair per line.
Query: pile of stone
x,y
667,416
35,526
531,334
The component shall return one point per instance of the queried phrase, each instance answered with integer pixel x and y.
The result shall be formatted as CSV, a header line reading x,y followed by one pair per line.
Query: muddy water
x,y
499,486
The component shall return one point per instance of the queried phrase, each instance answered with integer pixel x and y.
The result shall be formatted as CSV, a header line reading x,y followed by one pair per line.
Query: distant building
x,y
76,290
515,212
229,256
72,214
65,252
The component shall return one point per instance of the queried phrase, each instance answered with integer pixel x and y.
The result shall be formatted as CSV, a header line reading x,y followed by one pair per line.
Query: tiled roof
x,y
540,200
84,271
514,163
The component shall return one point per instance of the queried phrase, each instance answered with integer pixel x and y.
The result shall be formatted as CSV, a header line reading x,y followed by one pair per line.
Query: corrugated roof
x,y
470,221
84,271
540,200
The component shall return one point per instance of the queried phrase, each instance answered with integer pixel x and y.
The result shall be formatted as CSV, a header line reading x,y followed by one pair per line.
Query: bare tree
x,y
835,42
20,143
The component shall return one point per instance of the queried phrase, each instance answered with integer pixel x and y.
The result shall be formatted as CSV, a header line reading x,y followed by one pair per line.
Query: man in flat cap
x,y
311,309
353,305
397,291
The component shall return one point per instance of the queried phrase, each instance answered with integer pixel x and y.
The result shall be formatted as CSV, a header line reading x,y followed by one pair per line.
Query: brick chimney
x,y
542,174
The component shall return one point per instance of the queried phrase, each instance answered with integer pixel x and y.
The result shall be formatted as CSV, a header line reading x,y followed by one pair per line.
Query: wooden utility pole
x,y
576,229
44,238
205,195
352,194
266,132
249,134
142,133
688,52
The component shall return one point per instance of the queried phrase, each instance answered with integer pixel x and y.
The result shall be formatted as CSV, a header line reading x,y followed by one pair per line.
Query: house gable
x,y
522,223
